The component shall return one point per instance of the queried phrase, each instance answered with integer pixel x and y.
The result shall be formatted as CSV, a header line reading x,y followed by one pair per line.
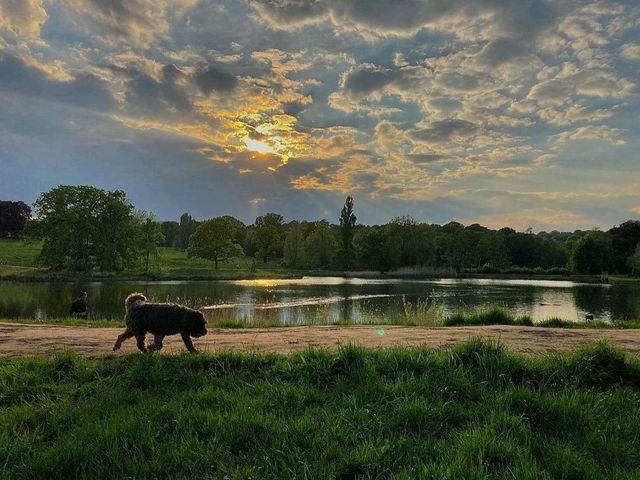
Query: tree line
x,y
85,228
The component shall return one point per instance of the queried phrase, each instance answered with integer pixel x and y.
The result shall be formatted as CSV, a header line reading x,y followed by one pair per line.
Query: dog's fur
x,y
160,319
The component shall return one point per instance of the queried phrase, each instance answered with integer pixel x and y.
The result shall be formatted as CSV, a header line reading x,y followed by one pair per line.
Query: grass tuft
x,y
492,316
424,313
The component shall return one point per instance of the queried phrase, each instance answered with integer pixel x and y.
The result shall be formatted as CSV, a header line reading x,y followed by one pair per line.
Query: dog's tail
x,y
133,299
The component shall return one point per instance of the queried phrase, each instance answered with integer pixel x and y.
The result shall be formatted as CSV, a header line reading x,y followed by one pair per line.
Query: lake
x,y
330,299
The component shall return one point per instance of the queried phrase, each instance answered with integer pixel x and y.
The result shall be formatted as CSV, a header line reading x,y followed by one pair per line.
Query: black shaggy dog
x,y
160,319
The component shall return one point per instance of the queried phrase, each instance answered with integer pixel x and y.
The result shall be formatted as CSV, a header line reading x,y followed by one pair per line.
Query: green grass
x,y
474,412
19,253
499,316
68,321
626,280
491,316
173,263
559,323
21,258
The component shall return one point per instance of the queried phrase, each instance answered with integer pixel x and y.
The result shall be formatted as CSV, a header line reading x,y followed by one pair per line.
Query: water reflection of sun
x,y
267,284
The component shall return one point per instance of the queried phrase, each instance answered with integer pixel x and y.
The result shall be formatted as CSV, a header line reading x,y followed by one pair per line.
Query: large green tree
x,y
408,243
624,238
372,249
592,254
214,240
171,233
85,228
293,250
347,230
149,238
187,226
241,235
634,262
268,236
320,246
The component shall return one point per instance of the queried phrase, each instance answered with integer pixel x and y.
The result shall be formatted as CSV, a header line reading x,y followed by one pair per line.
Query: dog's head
x,y
134,299
198,325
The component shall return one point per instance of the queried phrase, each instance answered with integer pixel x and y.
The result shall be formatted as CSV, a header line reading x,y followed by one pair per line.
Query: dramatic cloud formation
x,y
496,111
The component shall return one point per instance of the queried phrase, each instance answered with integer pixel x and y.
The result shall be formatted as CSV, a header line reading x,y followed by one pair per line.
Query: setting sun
x,y
258,146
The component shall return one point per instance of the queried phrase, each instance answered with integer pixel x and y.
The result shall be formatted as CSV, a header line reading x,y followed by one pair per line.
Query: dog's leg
x,y
140,342
157,343
188,343
121,338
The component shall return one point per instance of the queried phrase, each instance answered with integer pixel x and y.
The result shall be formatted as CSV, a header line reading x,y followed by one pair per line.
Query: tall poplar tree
x,y
347,227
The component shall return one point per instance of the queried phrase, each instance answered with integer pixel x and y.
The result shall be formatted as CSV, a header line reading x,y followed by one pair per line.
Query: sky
x,y
499,112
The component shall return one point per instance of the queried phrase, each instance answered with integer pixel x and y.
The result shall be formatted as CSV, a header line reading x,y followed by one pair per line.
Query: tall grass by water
x,y
473,412
419,313
500,316
422,312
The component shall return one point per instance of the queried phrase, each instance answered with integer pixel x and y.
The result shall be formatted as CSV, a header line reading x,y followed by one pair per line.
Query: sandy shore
x,y
25,340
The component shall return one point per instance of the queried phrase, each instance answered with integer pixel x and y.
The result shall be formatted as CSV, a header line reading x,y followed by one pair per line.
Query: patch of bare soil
x,y
17,340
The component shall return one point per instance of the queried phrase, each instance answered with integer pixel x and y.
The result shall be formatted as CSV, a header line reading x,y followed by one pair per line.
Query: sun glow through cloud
x,y
258,146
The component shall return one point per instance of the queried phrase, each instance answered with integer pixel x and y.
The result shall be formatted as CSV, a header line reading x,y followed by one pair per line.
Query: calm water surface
x,y
329,299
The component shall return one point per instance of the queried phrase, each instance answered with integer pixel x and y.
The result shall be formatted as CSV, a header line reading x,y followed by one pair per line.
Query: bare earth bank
x,y
26,340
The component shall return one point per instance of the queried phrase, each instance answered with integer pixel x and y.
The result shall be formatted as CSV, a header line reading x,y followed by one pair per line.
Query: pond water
x,y
330,299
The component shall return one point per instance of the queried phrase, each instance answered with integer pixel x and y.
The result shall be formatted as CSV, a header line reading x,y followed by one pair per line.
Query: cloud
x,y
424,158
444,130
145,91
591,132
22,17
630,51
388,135
211,78
382,17
576,113
84,90
365,79
573,81
552,92
369,81
152,86
501,50
601,84
137,22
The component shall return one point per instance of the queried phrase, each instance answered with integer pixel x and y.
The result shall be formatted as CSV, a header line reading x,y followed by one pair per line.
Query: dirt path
x,y
23,340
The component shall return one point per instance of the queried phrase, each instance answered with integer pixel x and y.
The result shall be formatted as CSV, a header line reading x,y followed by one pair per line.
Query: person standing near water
x,y
79,307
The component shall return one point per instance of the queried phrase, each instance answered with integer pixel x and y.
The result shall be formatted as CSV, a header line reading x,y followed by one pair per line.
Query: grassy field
x,y
474,412
173,263
20,256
